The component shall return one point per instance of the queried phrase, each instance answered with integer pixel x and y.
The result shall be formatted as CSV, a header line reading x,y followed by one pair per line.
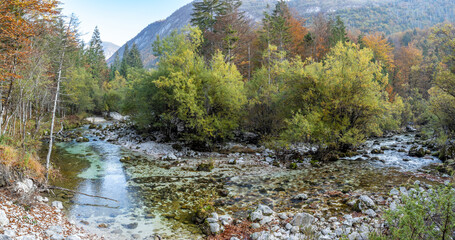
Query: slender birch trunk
x,y
57,91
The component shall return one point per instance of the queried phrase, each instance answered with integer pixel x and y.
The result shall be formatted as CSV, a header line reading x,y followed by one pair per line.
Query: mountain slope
x,y
367,15
109,49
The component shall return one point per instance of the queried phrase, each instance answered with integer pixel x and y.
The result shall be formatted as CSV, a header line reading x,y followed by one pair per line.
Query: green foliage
x,y
423,216
205,100
346,99
442,98
266,91
81,92
338,32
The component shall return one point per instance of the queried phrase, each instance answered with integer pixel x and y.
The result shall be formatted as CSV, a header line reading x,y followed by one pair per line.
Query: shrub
x,y
423,215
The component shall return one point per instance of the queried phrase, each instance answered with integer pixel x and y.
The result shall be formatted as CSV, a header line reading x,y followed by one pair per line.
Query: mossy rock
x,y
293,166
206,167
417,151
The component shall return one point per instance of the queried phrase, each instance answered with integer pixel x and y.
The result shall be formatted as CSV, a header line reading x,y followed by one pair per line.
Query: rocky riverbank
x,y
37,220
366,218
172,187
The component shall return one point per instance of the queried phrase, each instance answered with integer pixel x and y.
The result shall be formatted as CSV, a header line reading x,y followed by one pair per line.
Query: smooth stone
x,y
266,210
214,228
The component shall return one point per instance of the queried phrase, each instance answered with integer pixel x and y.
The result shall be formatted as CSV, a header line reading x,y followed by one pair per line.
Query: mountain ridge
x,y
387,16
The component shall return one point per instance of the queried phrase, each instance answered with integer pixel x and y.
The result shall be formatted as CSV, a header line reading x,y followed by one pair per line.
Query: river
x,y
158,196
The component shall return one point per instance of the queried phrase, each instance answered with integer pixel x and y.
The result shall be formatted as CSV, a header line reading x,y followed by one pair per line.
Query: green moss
x,y
293,165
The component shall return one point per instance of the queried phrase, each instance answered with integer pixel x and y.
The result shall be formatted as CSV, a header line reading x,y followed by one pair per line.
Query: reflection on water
x,y
157,196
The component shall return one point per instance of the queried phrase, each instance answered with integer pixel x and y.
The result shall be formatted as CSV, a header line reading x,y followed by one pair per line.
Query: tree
x,y
133,58
338,32
184,97
124,63
345,100
275,26
443,93
20,22
65,38
383,51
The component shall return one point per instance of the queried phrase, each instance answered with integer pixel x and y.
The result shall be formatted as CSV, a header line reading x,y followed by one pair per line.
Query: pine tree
x,y
205,13
134,58
276,28
115,66
124,64
338,32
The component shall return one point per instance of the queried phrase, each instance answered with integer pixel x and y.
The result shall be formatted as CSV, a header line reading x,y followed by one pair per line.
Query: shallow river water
x,y
158,196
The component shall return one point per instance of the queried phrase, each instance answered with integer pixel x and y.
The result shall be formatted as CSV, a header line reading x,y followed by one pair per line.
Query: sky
x,y
118,20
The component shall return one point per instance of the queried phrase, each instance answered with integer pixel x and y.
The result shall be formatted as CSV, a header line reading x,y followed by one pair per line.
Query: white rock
x,y
301,196
214,228
354,236
26,237
4,237
283,216
370,212
260,235
266,211
226,218
25,186
3,218
288,226
72,238
339,232
214,215
326,231
257,215
255,225
302,219
394,191
10,233
57,204
295,229
266,220
211,220
367,201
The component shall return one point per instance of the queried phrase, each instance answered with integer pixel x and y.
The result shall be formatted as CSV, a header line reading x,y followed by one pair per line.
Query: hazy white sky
x,y
119,20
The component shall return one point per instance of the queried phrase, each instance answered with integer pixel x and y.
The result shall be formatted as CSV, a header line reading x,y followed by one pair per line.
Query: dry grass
x,y
28,163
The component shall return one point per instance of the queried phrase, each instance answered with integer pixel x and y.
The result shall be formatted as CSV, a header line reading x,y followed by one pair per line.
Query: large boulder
x,y
416,151
24,187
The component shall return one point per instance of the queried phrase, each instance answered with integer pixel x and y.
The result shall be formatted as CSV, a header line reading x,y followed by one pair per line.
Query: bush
x,y
423,215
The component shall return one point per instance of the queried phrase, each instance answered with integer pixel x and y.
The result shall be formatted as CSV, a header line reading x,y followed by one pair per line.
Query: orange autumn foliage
x,y
383,51
297,32
405,59
20,21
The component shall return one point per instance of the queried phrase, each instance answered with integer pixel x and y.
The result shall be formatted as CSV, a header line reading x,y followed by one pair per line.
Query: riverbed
x,y
157,196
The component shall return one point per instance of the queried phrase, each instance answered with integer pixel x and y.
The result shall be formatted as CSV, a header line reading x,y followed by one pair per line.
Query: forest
x,y
286,80
283,79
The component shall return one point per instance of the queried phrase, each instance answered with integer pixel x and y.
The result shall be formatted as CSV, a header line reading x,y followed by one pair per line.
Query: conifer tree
x,y
134,58
338,32
124,64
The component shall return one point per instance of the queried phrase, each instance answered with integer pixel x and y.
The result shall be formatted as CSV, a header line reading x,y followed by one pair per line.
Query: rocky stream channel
x,y
158,188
